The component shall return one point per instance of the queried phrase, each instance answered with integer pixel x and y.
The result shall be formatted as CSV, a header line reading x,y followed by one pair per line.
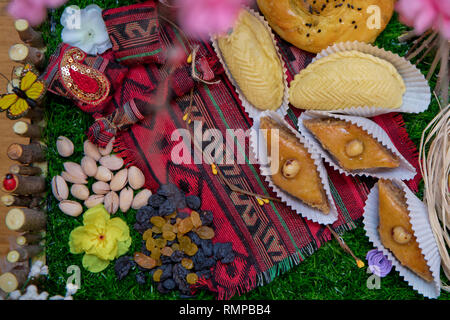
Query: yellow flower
x,y
101,238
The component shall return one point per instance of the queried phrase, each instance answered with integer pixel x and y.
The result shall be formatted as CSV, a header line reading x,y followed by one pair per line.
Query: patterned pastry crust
x,y
337,135
253,61
347,79
306,185
394,213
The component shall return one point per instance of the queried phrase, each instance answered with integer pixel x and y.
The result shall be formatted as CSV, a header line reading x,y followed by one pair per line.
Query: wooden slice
x,y
29,238
24,219
13,280
28,130
28,35
26,154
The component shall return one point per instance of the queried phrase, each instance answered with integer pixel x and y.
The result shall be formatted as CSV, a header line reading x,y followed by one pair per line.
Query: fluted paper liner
x,y
258,140
252,111
422,231
417,96
405,171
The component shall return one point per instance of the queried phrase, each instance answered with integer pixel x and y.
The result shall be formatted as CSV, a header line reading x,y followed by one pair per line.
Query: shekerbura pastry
x,y
352,147
297,173
252,59
396,232
347,79
315,25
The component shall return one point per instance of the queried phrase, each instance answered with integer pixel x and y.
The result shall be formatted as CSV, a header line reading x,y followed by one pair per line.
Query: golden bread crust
x,y
315,25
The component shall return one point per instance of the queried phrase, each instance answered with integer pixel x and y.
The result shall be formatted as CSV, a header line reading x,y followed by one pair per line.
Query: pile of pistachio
x,y
114,187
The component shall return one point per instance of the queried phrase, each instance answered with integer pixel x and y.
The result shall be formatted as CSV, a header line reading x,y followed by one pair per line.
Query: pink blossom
x,y
35,11
426,14
201,18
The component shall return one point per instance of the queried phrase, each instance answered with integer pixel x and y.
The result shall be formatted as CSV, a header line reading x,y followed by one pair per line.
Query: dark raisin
x,y
167,208
123,266
169,284
207,247
193,202
194,237
177,256
183,214
205,274
166,259
167,271
167,190
179,200
141,278
141,228
161,289
156,200
206,217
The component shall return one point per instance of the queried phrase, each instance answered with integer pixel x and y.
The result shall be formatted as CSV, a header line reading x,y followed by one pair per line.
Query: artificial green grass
x,y
329,273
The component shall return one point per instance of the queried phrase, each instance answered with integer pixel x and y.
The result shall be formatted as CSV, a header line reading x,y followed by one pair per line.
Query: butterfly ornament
x,y
23,94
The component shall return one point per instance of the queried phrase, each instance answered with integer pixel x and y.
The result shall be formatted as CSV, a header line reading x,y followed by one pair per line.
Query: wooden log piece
x,y
14,279
25,220
10,200
28,35
25,170
29,238
23,185
35,114
26,154
25,54
28,130
23,253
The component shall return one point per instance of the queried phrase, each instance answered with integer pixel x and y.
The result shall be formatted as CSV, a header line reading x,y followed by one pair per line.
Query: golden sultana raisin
x,y
167,227
192,278
158,221
184,240
150,244
147,234
156,229
160,243
187,263
170,236
175,247
144,261
172,215
196,221
167,251
155,253
185,225
157,275
191,249
205,232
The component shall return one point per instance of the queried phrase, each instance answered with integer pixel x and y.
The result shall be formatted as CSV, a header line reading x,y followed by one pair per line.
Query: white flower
x,y
85,29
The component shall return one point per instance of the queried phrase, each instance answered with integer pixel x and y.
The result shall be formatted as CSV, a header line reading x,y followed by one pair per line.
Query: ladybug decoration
x,y
9,183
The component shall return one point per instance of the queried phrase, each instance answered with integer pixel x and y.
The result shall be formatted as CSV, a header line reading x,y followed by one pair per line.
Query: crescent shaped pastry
x,y
252,59
347,79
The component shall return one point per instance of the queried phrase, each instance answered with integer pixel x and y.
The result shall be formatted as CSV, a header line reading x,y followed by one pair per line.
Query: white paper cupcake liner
x,y
405,171
259,149
252,111
417,97
422,231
